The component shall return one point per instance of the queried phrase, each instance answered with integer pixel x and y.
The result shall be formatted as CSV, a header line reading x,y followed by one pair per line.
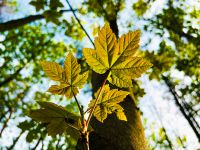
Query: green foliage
x,y
184,56
106,8
50,9
52,15
73,30
109,103
140,7
54,4
57,118
163,60
38,4
34,130
21,51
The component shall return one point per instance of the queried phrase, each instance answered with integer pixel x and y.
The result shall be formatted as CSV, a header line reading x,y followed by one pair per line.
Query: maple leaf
x,y
56,117
108,103
117,57
69,77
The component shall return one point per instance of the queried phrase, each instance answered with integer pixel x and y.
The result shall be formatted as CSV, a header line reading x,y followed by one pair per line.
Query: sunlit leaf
x,y
94,61
119,58
70,78
108,103
53,70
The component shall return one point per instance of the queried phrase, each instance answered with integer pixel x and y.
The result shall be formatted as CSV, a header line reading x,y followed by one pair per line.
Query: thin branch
x,y
88,110
189,109
79,22
79,106
57,145
3,114
15,141
38,142
10,78
160,119
97,99
72,126
6,122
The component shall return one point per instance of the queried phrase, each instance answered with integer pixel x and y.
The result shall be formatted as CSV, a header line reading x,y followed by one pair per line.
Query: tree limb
x,y
22,21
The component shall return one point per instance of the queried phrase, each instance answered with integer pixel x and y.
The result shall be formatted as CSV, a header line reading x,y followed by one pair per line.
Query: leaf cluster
x,y
116,58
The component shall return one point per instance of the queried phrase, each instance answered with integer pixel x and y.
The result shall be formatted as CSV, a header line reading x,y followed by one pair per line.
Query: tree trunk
x,y
115,134
167,82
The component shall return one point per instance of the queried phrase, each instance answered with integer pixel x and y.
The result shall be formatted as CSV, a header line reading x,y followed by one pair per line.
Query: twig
x,y
57,145
87,110
79,22
38,142
80,108
15,141
72,126
97,99
6,122
161,122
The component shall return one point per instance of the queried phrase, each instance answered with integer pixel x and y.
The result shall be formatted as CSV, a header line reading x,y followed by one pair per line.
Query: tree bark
x,y
11,77
22,21
115,134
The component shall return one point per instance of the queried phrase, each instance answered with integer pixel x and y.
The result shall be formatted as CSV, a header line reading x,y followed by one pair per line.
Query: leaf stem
x,y
88,110
72,126
96,101
79,107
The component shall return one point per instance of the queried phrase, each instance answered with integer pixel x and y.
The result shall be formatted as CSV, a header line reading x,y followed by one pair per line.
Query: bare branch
x,y
79,22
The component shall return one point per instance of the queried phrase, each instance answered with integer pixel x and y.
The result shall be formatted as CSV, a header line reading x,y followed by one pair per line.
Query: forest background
x,y
167,95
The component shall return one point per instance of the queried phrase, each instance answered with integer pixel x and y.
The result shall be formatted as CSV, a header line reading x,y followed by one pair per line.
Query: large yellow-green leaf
x,y
119,81
105,45
53,70
63,90
108,103
117,57
118,110
94,61
72,68
81,80
127,45
70,78
56,118
131,68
